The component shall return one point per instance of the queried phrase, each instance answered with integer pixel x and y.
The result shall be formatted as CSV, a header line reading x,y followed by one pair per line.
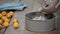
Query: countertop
x,y
33,5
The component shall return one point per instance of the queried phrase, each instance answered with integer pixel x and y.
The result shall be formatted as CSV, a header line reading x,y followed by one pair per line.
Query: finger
x,y
58,5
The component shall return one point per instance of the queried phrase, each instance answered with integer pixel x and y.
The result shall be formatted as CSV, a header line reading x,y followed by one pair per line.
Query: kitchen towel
x,y
12,6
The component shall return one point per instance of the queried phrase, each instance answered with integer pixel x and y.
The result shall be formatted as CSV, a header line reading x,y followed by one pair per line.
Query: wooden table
x,y
33,5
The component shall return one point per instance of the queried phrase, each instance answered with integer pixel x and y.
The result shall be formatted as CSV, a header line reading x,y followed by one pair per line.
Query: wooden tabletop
x,y
33,5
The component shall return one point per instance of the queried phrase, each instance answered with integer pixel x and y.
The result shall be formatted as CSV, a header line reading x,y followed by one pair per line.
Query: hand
x,y
58,4
51,8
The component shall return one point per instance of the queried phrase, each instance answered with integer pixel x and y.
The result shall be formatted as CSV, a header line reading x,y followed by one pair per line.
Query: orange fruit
x,y
15,20
4,17
11,13
3,13
8,15
1,21
6,24
0,15
0,27
15,25
6,20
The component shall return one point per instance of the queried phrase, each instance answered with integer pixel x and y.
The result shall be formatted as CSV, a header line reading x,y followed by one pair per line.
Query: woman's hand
x,y
58,4
51,8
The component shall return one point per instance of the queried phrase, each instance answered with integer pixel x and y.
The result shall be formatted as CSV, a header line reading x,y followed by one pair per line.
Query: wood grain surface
x,y
33,5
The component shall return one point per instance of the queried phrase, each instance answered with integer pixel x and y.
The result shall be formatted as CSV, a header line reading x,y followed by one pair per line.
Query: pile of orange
x,y
4,18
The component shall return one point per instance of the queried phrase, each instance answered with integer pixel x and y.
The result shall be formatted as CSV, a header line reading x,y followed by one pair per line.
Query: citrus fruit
x,y
11,13
15,20
3,13
6,20
0,15
1,21
8,15
4,17
0,27
15,25
6,24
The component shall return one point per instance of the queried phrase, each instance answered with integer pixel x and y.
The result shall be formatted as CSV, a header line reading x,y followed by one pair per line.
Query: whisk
x,y
43,4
